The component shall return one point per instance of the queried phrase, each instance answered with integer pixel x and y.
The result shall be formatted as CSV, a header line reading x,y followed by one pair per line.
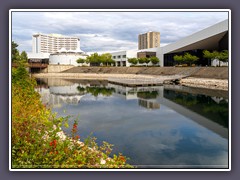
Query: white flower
x,y
102,161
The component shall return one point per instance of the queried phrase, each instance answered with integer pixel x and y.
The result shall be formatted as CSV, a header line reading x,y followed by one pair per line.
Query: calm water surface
x,y
156,127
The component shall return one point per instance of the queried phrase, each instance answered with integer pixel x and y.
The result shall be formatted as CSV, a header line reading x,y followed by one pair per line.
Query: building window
x,y
124,56
114,57
119,57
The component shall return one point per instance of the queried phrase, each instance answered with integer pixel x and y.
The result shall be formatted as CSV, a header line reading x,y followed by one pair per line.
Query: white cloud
x,y
110,31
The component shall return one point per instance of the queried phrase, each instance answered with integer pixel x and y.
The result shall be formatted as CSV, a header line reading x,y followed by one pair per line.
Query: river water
x,y
156,127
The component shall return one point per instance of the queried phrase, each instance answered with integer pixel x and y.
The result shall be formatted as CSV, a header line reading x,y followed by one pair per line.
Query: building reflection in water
x,y
208,108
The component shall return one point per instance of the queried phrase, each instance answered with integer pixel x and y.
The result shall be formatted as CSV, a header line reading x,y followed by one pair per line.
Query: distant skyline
x,y
110,31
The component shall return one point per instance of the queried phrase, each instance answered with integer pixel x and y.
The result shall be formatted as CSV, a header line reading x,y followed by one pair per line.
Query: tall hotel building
x,y
52,43
149,40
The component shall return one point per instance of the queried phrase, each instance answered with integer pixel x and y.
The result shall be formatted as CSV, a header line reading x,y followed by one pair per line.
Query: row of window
x,y
119,56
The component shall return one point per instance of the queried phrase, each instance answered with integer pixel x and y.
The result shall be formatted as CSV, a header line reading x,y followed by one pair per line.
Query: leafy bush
x,y
37,139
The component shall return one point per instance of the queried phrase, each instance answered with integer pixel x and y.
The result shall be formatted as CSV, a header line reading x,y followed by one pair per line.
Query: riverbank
x,y
37,140
210,83
220,84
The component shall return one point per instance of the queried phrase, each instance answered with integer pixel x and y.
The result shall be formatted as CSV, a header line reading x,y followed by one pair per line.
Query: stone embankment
x,y
201,72
203,77
221,84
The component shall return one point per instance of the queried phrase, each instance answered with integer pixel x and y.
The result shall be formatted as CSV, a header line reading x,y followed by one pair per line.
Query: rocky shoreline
x,y
209,83
219,84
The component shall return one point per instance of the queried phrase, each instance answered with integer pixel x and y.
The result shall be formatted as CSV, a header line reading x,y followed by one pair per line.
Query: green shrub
x,y
37,140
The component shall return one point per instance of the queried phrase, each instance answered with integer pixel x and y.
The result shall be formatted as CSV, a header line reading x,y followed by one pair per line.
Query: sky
x,y
110,31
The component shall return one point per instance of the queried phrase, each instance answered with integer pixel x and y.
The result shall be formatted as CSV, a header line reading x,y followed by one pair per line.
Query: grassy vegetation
x,y
37,139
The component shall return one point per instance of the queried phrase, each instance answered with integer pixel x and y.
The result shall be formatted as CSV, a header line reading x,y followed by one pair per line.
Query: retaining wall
x,y
201,72
56,68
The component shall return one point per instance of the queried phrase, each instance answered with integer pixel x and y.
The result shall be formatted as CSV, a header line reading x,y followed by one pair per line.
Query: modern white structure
x,y
42,43
65,57
212,38
121,57
56,49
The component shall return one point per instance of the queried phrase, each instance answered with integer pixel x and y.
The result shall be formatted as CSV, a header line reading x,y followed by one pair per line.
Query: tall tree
x,y
24,57
15,52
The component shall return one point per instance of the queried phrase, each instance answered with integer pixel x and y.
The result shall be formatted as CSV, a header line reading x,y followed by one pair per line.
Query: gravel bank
x,y
220,84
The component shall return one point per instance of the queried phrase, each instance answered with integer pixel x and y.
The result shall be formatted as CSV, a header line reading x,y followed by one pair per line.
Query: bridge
x,y
33,65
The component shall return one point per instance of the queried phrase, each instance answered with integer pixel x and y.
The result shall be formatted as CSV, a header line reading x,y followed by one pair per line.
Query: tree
x,y
94,59
223,56
144,60
15,52
188,58
24,57
147,60
106,59
141,60
154,60
210,55
133,61
178,59
80,60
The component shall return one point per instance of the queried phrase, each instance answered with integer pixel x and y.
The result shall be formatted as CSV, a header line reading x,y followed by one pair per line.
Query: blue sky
x,y
110,31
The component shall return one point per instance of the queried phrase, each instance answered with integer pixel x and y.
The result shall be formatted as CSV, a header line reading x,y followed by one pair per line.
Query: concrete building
x,y
212,38
51,43
120,57
149,40
67,57
56,49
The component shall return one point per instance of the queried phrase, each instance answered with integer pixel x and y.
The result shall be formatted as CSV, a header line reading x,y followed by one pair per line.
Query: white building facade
x,y
65,57
212,38
42,43
121,57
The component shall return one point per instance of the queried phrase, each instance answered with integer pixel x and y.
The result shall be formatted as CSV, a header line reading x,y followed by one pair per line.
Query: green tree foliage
x,y
94,59
141,60
144,60
188,58
37,140
210,55
147,60
15,52
24,57
133,61
178,59
16,56
97,60
223,56
154,60
106,59
80,60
